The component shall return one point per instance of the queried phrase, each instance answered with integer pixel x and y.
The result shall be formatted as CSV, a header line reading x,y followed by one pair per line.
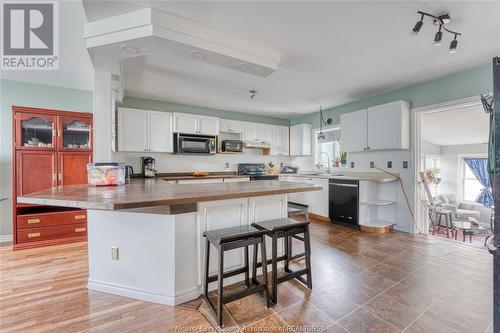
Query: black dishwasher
x,y
343,202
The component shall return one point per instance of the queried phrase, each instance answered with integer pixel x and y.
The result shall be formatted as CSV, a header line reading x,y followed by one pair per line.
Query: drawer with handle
x,y
54,232
51,219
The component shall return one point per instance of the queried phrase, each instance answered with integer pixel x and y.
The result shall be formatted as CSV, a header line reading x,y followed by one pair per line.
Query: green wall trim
x,y
147,104
471,82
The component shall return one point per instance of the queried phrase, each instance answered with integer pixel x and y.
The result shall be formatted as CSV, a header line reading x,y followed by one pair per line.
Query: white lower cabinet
x,y
235,180
316,200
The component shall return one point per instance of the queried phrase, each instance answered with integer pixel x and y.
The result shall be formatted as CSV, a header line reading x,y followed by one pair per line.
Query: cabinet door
x,y
35,171
319,199
353,131
224,125
274,139
75,133
160,134
72,167
35,131
208,125
236,126
213,180
132,130
300,140
249,131
185,123
388,126
263,133
284,141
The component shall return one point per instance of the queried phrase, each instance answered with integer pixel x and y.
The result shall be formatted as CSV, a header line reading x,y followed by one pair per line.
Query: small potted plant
x,y
343,154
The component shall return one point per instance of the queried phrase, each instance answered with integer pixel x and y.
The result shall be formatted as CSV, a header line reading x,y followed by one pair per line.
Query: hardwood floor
x,y
362,283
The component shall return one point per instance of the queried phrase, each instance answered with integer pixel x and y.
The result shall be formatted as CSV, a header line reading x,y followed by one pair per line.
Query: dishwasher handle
x,y
344,185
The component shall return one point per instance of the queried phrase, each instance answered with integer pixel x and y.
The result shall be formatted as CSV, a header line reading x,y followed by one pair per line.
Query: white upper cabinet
x,y
284,140
275,140
132,130
160,138
194,124
263,133
389,126
300,140
353,131
185,123
208,125
249,131
142,130
230,126
382,127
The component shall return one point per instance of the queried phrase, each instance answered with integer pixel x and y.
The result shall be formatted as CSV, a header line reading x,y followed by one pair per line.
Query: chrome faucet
x,y
329,162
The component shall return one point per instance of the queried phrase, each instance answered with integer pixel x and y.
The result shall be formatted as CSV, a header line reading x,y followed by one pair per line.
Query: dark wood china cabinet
x,y
51,148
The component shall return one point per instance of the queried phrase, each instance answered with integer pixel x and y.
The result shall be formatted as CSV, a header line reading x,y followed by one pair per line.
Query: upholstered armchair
x,y
463,210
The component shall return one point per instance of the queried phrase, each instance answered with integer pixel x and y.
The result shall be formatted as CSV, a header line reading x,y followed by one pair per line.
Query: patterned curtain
x,y
479,167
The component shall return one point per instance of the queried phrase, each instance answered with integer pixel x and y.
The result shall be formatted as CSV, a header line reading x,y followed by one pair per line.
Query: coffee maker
x,y
148,167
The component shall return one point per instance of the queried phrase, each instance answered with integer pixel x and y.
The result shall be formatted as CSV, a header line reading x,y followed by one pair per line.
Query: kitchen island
x,y
145,237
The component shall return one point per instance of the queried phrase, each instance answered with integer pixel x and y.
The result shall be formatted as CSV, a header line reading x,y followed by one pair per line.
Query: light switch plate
x,y
405,164
352,165
115,253
372,164
389,164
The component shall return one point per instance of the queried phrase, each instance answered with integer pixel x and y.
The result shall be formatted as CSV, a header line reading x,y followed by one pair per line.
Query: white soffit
x,y
149,30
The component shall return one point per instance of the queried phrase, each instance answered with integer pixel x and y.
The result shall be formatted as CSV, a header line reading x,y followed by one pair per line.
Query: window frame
x,y
462,167
315,132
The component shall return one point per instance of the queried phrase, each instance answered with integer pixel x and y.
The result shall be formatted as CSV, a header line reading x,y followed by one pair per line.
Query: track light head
x,y
438,37
417,27
453,45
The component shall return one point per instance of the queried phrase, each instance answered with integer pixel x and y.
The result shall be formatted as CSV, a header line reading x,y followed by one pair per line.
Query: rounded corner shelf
x,y
378,202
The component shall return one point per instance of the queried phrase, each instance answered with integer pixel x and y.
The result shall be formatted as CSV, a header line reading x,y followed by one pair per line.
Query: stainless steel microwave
x,y
194,144
235,146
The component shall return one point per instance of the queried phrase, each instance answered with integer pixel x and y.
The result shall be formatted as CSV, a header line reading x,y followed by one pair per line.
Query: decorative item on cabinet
x,y
50,148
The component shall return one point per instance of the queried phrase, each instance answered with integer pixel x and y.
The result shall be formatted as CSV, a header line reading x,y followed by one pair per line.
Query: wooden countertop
x,y
364,176
142,193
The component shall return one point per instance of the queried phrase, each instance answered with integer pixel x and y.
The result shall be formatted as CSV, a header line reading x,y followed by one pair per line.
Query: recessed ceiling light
x,y
197,54
243,65
129,49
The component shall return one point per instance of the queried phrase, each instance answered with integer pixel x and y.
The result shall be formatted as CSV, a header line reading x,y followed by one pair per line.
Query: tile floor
x,y
362,283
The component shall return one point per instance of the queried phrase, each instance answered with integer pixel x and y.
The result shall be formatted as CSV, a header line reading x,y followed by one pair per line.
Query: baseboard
x,y
134,293
144,295
320,218
6,238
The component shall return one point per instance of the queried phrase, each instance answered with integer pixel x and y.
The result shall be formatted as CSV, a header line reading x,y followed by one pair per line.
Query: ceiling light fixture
x,y
252,92
321,136
129,49
243,66
453,45
441,21
438,37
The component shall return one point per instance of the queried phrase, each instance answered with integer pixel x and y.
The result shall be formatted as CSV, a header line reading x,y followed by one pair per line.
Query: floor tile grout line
x,y
257,321
420,315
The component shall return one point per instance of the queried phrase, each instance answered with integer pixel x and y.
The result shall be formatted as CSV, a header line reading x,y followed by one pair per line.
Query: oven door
x,y
194,145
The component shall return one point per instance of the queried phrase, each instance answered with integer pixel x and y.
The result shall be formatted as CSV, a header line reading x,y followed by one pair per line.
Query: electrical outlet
x,y
372,164
389,164
227,165
352,165
405,164
115,253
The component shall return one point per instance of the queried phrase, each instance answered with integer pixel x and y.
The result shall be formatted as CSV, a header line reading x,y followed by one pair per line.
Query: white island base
x,y
161,256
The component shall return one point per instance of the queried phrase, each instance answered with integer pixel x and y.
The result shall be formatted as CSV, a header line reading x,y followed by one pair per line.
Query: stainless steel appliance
x,y
256,171
344,202
232,146
194,144
289,169
148,167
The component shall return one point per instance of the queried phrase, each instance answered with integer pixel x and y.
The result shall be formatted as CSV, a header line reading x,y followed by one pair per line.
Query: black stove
x,y
256,171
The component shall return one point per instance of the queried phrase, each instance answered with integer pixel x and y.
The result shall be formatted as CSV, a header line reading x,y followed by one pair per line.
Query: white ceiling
x,y
456,127
75,68
332,52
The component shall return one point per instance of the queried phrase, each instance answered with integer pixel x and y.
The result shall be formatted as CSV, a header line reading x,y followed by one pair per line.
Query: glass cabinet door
x,y
36,131
76,133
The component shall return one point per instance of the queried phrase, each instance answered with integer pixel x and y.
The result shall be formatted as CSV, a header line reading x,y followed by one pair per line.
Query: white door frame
x,y
416,116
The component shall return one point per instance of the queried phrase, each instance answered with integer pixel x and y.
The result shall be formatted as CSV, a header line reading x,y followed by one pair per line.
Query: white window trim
x,y
461,174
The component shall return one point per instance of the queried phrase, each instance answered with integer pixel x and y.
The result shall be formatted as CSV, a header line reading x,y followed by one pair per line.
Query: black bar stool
x,y
296,209
229,239
286,228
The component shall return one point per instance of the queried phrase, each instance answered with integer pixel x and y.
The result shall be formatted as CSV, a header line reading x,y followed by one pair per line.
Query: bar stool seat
x,y
227,239
448,216
286,228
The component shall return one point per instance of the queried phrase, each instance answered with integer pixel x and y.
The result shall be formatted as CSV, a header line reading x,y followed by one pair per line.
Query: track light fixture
x,y
440,21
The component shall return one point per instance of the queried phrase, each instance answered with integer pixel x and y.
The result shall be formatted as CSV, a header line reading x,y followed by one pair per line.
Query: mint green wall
x,y
36,95
468,83
140,103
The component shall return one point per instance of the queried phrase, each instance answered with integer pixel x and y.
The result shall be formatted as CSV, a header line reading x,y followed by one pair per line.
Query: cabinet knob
x,y
368,148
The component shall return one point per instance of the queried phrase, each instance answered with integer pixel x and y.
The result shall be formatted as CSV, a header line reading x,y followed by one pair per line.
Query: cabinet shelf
x,y
377,223
377,202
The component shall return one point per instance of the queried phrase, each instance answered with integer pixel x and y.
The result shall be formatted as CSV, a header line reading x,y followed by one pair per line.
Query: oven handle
x,y
344,185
